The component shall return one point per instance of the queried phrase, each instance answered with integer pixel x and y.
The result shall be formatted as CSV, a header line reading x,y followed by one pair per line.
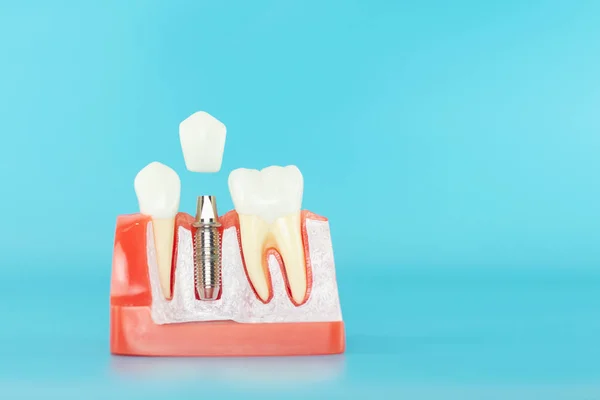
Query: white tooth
x,y
268,203
202,138
158,189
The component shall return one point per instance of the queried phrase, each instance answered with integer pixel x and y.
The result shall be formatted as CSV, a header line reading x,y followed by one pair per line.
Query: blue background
x,y
453,146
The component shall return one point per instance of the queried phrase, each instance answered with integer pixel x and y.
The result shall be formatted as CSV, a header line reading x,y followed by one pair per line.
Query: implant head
x,y
206,211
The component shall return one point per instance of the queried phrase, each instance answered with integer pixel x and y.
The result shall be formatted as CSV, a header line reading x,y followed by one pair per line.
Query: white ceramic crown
x,y
202,138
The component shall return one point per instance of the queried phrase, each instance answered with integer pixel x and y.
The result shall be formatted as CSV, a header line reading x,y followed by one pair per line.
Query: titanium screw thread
x,y
207,249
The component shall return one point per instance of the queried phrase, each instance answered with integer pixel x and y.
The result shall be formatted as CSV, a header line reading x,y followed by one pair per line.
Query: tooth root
x,y
287,235
253,232
164,232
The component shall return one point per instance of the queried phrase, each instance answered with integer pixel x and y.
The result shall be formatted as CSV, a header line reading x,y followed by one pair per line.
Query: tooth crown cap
x,y
270,193
202,138
158,188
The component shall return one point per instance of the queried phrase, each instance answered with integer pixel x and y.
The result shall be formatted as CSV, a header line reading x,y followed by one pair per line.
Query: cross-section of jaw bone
x,y
158,189
268,203
202,139
238,301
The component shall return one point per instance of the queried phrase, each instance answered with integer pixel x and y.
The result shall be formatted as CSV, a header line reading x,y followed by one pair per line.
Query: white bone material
x,y
238,302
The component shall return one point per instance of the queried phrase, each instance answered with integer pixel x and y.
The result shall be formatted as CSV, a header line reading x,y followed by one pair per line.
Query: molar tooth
x,y
268,203
158,190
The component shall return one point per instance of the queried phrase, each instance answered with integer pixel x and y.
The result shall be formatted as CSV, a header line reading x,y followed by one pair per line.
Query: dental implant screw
x,y
207,249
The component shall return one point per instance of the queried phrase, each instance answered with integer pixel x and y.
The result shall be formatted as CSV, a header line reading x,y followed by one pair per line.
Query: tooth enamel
x,y
158,189
268,203
202,138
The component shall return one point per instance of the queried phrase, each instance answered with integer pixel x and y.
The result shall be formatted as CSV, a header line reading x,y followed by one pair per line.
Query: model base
x,y
134,333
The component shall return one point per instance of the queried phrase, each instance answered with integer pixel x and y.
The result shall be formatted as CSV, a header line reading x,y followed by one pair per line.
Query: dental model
x,y
258,280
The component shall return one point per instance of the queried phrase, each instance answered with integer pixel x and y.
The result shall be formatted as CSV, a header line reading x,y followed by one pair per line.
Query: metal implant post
x,y
207,249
